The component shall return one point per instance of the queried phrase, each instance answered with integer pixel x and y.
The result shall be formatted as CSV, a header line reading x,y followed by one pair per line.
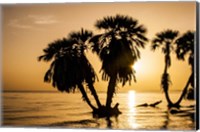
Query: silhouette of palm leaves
x,y
118,47
54,50
70,68
185,46
165,40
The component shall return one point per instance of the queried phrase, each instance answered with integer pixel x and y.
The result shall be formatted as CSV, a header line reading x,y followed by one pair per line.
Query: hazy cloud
x,y
32,21
42,19
16,23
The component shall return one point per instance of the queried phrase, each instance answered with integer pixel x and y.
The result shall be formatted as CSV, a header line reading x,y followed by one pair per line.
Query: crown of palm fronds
x,y
119,60
167,35
163,38
118,26
116,22
54,49
118,47
69,66
81,36
185,46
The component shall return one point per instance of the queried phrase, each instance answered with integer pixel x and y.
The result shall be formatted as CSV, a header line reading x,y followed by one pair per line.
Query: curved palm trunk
x,y
111,89
93,91
168,98
184,90
166,89
85,97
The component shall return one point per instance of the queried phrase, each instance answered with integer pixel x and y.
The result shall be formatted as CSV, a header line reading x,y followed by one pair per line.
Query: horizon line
x,y
49,91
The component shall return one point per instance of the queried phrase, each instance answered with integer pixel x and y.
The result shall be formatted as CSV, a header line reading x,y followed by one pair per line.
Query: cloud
x,y
32,21
41,19
16,24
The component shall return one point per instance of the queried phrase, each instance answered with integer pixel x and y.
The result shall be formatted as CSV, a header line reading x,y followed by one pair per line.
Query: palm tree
x,y
118,49
185,47
165,40
69,67
80,38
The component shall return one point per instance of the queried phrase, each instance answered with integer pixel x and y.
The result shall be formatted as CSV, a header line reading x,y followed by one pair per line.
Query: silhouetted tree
x,y
118,49
80,39
69,67
165,40
185,48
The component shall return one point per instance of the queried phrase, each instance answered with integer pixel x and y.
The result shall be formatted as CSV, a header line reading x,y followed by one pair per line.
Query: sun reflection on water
x,y
131,100
132,111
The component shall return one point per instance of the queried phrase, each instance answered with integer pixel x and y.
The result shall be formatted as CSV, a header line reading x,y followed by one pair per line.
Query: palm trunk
x,y
111,89
168,98
85,97
166,89
93,91
184,90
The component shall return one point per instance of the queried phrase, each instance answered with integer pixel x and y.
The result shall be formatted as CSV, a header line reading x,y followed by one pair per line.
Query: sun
x,y
136,66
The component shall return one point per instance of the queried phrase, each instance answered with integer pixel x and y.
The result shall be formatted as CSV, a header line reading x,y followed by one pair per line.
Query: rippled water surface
x,y
68,110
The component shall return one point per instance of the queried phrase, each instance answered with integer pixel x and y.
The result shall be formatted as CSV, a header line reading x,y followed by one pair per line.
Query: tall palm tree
x,y
118,49
80,38
185,48
165,40
69,67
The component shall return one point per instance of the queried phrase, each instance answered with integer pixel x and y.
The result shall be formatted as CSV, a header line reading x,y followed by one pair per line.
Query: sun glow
x,y
136,66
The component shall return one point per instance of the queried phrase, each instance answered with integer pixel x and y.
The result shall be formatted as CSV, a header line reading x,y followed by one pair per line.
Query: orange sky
x,y
27,29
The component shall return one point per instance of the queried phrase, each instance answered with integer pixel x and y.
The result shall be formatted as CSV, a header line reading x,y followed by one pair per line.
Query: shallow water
x,y
69,111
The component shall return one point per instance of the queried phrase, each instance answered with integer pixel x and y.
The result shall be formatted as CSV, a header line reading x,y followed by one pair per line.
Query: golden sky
x,y
27,29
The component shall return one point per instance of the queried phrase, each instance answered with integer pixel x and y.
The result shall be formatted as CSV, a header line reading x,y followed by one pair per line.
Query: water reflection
x,y
131,100
28,110
166,121
132,110
109,122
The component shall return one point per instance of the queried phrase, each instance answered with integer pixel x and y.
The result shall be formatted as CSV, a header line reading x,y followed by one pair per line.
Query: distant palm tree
x,y
185,47
70,68
166,41
118,49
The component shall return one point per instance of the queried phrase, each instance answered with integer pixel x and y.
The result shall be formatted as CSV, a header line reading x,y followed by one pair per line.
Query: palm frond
x,y
95,42
118,47
70,66
154,46
81,36
167,35
185,46
156,43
